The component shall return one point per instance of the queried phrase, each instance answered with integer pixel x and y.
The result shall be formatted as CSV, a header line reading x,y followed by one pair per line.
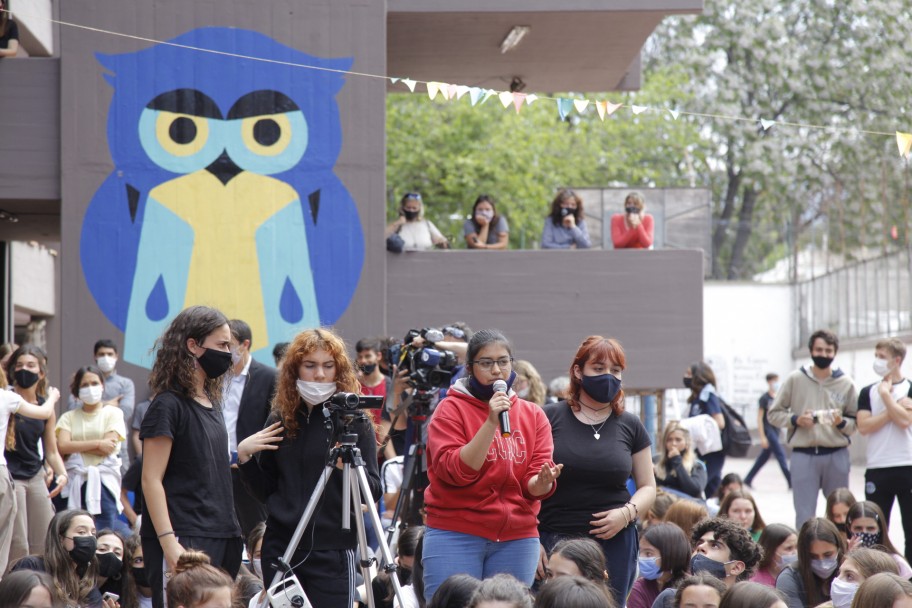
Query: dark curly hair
x,y
738,540
175,366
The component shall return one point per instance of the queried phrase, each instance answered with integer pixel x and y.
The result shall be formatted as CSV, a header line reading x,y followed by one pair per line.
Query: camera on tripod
x,y
429,367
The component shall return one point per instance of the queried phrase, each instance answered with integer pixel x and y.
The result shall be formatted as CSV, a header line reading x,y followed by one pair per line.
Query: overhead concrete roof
x,y
573,45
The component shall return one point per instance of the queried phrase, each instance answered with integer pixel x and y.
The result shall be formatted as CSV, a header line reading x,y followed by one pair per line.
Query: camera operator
x,y
286,470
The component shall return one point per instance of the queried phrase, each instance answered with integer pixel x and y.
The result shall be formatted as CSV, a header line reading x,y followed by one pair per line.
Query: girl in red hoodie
x,y
483,498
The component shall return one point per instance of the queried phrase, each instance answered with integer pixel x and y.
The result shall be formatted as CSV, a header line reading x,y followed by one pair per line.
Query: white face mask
x,y
90,395
258,568
842,593
488,215
523,393
314,393
881,367
106,363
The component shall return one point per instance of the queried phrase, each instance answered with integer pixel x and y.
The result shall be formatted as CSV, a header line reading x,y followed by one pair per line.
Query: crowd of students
x,y
563,228
569,502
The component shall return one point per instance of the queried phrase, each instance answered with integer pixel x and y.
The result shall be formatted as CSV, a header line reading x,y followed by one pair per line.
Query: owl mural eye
x,y
182,130
268,133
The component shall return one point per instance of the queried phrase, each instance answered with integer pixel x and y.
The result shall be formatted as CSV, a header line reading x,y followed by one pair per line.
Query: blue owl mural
x,y
223,191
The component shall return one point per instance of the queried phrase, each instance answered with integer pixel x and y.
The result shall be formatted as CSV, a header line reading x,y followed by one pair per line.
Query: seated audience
x,y
455,592
632,229
699,591
501,591
859,565
740,507
28,589
664,560
382,586
486,229
820,552
838,504
752,595
885,589
565,227
678,470
780,548
731,481
195,583
578,557
418,234
573,592
685,514
865,522
659,508
136,590
111,566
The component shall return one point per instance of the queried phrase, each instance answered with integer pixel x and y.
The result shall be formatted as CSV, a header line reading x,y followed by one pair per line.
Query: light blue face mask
x,y
649,568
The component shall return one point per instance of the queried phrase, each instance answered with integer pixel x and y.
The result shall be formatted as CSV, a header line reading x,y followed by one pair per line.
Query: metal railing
x,y
867,299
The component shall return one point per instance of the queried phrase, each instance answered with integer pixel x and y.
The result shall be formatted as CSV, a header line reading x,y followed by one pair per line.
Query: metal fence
x,y
868,299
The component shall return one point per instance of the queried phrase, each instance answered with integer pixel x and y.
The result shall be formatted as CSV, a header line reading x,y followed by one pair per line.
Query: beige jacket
x,y
801,391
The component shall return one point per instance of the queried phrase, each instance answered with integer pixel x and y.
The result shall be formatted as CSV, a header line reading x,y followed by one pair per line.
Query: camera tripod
x,y
411,492
285,590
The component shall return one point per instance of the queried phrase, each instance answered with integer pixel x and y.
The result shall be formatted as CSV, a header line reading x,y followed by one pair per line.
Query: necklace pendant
x,y
597,435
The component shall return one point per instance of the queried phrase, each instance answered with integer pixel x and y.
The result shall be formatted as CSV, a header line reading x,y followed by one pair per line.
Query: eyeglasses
x,y
487,364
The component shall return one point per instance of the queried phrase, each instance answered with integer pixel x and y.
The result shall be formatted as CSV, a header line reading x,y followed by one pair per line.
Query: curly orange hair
x,y
287,401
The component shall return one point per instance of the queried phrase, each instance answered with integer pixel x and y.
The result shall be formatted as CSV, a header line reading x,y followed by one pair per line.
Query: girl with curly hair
x,y
186,477
291,456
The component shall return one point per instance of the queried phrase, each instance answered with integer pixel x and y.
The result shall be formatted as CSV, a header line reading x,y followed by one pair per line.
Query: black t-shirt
x,y
132,482
197,479
595,473
12,33
765,402
25,461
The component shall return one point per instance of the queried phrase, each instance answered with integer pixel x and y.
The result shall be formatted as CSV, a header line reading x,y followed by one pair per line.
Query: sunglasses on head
x,y
413,195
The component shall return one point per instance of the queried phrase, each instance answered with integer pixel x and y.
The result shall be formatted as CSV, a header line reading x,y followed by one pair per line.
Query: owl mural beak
x,y
224,168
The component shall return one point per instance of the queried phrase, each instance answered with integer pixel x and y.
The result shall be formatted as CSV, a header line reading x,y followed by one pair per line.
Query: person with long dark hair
x,y
291,456
486,229
565,226
28,588
704,399
780,548
27,370
740,507
186,476
868,527
485,487
820,552
664,560
592,499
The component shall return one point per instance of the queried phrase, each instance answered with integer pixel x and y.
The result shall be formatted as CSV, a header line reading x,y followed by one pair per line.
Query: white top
x,y
891,445
420,235
9,405
232,406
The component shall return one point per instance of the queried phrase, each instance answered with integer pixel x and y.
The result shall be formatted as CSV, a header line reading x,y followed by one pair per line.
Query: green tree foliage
x,y
842,66
451,152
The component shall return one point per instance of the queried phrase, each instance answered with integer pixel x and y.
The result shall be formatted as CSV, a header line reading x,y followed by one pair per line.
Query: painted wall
x,y
275,230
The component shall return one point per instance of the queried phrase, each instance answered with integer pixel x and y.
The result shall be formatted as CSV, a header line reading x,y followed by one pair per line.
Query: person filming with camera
x,y
283,463
489,466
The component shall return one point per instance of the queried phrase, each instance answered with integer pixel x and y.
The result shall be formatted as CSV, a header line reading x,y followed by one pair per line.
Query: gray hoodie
x,y
801,391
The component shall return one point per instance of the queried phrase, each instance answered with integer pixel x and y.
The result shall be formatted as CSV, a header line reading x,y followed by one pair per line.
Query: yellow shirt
x,y
92,426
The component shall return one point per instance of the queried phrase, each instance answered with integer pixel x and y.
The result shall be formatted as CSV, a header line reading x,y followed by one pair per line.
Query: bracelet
x,y
636,510
169,532
626,519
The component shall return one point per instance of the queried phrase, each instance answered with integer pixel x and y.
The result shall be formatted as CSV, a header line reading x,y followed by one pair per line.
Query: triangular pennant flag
x,y
611,108
580,104
433,88
766,124
409,83
600,107
475,94
489,93
518,99
674,113
531,98
638,109
461,90
904,142
451,90
506,98
394,80
564,106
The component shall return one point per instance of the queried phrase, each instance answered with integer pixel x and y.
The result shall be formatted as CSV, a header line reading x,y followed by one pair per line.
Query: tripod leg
x,y
351,483
305,518
363,486
409,476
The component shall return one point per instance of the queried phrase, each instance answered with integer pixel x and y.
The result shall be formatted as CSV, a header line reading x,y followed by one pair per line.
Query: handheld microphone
x,y
501,386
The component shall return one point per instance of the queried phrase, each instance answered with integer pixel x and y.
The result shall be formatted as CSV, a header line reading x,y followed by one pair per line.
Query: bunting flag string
x,y
478,95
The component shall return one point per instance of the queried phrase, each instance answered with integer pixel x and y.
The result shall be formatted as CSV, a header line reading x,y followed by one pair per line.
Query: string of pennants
x,y
565,107
478,95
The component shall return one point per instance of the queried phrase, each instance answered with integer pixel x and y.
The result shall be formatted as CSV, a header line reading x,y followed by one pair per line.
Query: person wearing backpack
x,y
701,381
817,404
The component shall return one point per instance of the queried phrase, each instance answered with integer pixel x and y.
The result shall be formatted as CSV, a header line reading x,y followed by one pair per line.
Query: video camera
x,y
429,368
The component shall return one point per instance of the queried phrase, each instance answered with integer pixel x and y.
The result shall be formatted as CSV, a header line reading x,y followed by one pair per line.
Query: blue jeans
x,y
105,519
775,448
447,553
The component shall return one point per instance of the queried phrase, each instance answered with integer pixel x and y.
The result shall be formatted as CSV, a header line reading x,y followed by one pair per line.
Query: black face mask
x,y
140,576
701,563
214,362
404,574
109,565
688,382
25,378
822,362
484,392
410,215
841,527
83,549
565,211
368,368
631,210
603,388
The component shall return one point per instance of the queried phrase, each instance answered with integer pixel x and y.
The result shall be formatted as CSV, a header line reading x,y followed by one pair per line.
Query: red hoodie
x,y
493,502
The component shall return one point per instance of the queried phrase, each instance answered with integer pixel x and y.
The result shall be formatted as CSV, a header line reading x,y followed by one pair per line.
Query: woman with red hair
x,y
600,447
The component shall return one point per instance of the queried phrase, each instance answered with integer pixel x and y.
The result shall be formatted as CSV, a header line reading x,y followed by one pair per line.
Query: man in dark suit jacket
x,y
248,399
